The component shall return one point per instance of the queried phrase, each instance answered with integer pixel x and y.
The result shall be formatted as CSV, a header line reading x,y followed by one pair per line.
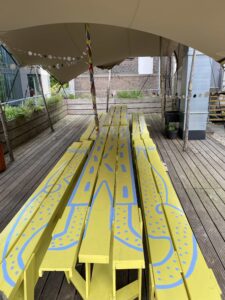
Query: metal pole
x,y
5,130
188,102
91,73
108,91
44,100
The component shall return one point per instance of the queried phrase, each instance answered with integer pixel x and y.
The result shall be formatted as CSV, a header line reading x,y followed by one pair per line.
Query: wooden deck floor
x,y
198,177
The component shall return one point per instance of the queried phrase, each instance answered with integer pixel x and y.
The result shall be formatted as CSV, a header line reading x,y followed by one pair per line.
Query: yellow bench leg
x,y
29,279
88,278
79,283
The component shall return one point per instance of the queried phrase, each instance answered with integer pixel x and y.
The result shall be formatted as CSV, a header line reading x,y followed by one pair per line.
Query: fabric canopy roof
x,y
59,48
192,23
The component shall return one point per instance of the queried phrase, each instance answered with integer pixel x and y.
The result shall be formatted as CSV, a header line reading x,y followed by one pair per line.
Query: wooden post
x,y
44,100
91,73
108,91
5,130
187,113
162,85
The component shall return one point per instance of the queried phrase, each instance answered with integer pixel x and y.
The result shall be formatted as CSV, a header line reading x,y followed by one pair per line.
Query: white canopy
x,y
59,48
192,23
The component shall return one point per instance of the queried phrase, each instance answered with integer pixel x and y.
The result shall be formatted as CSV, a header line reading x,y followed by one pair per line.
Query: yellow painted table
x,y
127,241
194,270
23,252
63,251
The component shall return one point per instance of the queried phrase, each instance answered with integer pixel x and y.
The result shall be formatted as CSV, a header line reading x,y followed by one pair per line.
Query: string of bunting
x,y
64,61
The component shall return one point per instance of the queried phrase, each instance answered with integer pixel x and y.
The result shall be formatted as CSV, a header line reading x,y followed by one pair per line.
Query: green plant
x,y
172,127
54,99
129,94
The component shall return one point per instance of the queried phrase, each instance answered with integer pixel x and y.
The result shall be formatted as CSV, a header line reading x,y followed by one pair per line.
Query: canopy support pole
x,y
44,100
5,130
187,114
162,84
91,73
108,91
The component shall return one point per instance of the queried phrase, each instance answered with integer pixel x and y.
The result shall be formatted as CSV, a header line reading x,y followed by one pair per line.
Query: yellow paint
x,y
95,247
127,241
23,217
156,229
192,264
63,250
34,233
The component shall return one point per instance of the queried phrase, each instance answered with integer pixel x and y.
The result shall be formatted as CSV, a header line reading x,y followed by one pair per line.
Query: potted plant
x,y
172,131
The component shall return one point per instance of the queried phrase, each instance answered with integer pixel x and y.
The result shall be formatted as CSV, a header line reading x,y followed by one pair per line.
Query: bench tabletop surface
x,y
12,267
95,247
63,250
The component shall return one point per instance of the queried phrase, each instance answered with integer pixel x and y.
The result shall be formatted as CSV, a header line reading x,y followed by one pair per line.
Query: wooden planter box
x,y
22,129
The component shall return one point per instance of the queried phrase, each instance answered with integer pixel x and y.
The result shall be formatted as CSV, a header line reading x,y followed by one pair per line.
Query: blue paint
x,y
123,167
19,258
110,169
121,154
140,249
87,186
125,192
63,247
92,170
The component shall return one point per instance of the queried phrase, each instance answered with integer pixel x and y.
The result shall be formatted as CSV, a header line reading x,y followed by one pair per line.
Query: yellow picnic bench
x,y
88,211
106,207
176,265
24,241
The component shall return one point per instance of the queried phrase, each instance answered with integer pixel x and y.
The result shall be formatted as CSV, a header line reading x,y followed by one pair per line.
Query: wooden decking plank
x,y
213,150
35,165
216,201
33,152
186,169
52,287
205,172
213,160
203,181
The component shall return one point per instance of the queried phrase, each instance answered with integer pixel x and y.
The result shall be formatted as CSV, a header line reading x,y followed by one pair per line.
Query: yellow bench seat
x,y
35,236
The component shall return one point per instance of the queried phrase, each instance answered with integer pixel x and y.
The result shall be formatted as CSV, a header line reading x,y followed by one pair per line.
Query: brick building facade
x,y
127,76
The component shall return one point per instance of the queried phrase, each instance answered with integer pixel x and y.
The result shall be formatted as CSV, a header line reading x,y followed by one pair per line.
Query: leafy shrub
x,y
129,94
30,106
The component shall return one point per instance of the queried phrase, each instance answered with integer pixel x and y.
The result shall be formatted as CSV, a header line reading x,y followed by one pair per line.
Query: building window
x,y
145,65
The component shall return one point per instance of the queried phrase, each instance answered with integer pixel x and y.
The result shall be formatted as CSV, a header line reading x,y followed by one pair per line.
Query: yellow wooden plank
x,y
136,132
166,271
116,116
101,284
13,230
143,126
127,243
108,118
63,250
12,267
127,240
95,247
124,117
86,135
193,265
